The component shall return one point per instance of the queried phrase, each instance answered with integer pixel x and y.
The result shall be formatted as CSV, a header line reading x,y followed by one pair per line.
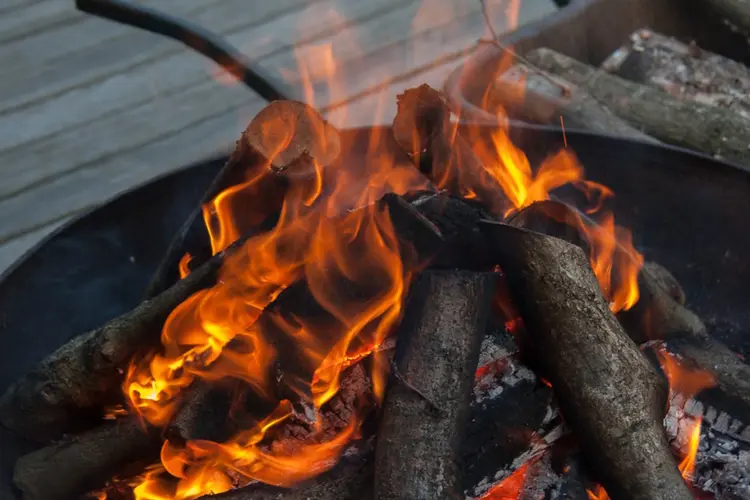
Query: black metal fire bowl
x,y
686,211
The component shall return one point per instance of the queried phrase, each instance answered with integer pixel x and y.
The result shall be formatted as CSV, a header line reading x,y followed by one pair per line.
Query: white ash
x,y
498,370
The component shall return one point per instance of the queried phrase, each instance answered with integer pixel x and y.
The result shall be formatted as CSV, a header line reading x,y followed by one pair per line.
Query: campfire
x,y
430,323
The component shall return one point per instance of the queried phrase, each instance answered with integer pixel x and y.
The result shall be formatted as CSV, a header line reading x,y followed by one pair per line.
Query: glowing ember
x,y
597,493
509,488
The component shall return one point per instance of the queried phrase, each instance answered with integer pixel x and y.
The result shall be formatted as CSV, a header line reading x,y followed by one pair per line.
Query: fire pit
x,y
421,311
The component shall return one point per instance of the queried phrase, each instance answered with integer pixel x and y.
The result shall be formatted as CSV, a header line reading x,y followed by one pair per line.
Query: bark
x,y
609,394
285,140
82,463
204,414
423,129
72,384
526,94
426,406
659,314
705,128
683,70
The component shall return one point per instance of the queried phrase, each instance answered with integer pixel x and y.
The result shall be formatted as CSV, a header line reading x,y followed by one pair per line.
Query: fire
x,y
687,466
509,488
342,245
598,493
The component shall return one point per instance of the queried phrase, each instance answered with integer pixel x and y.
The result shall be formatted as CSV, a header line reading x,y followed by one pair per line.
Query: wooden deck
x,y
89,108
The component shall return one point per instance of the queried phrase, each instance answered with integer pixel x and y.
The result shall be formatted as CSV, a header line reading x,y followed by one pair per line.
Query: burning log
x,y
683,70
203,414
286,140
715,131
422,128
72,384
523,92
611,396
79,464
426,405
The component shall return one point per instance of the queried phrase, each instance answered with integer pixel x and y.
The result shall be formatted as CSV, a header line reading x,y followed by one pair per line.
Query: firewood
x,y
659,314
426,405
524,93
204,413
346,482
286,139
608,392
81,463
423,129
702,127
68,388
683,70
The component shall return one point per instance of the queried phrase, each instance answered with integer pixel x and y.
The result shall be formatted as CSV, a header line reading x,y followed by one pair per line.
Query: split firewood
x,y
68,389
426,405
710,129
83,462
611,396
286,140
683,70
525,93
422,127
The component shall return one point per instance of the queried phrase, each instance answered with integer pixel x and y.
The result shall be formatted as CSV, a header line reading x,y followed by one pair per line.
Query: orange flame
x,y
184,265
684,380
509,488
598,493
687,466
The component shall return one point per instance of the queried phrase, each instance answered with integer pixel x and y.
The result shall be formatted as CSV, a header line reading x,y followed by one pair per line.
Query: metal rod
x,y
195,37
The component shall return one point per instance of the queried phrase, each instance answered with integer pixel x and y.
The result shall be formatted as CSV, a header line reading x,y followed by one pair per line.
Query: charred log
x,y
72,384
611,396
203,414
79,464
287,139
717,132
423,129
426,405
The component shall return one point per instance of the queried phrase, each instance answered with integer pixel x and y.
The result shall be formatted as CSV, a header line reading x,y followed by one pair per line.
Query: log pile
x,y
652,89
574,377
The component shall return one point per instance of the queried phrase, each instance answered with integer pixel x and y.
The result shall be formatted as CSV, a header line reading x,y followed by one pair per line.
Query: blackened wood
x,y
73,383
609,394
683,70
204,413
710,129
525,93
426,405
83,462
422,127
730,372
350,482
286,139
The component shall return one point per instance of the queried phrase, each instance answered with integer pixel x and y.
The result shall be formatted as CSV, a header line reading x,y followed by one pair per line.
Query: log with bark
x,y
426,405
286,140
83,462
525,93
68,389
702,127
683,70
611,396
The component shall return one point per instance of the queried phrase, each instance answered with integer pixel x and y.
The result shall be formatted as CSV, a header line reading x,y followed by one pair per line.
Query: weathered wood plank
x,y
34,18
152,81
76,56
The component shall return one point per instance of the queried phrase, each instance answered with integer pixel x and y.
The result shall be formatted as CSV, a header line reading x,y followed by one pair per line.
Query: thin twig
x,y
496,42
